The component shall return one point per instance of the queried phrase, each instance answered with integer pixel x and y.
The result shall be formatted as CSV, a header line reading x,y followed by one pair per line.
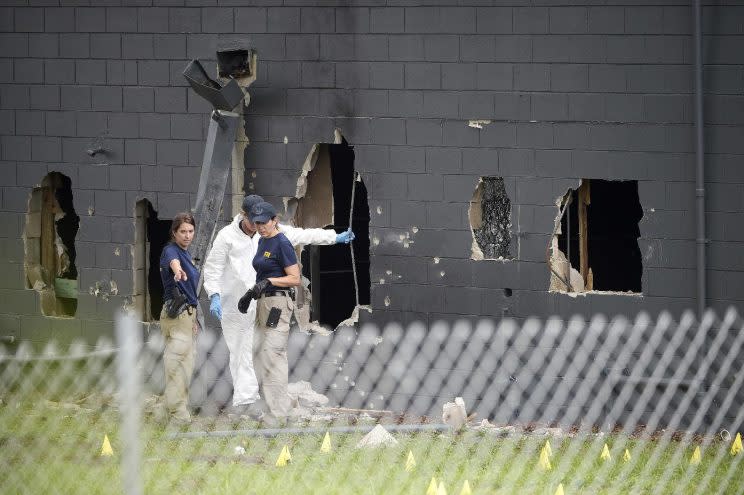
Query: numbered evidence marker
x,y
410,462
605,455
466,489
106,450
284,457
544,461
326,445
432,490
736,447
695,457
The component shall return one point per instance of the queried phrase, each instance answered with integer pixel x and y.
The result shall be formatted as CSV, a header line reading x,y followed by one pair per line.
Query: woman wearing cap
x,y
277,271
228,273
178,317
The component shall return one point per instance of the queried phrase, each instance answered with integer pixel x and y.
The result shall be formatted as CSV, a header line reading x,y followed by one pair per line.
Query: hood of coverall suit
x,y
238,274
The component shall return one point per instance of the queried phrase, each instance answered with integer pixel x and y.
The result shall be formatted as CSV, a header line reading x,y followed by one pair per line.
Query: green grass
x,y
56,450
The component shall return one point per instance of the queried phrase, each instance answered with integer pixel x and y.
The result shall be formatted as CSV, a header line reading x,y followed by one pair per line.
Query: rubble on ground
x,y
454,414
378,437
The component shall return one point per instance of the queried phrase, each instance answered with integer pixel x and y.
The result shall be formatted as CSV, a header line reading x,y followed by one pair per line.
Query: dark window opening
x,y
329,269
490,220
50,256
599,236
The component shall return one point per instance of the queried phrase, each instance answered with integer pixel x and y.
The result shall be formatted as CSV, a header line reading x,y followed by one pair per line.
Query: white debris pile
x,y
378,437
454,414
302,395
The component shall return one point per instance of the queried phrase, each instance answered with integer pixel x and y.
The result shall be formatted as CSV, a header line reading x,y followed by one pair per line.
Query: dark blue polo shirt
x,y
173,251
273,255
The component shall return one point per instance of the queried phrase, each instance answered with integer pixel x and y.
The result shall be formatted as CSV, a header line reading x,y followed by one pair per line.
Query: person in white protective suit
x,y
228,273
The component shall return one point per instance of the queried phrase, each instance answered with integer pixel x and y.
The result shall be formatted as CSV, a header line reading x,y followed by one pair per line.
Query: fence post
x,y
129,339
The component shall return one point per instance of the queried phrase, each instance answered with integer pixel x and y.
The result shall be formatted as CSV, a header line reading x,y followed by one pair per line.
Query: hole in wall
x,y
151,235
49,237
595,243
324,200
490,220
234,63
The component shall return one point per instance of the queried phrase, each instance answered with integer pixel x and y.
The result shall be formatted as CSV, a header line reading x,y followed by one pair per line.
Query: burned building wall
x,y
557,93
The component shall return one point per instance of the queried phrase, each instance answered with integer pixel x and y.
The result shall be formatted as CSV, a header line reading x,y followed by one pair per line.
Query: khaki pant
x,y
270,354
178,360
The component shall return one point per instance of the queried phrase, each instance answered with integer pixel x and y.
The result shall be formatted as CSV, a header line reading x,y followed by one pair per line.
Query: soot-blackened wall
x,y
572,91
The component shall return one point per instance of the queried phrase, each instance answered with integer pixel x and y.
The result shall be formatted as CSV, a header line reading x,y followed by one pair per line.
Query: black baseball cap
x,y
250,200
262,212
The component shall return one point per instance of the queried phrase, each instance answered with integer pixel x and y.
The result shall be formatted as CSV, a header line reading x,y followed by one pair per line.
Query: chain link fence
x,y
544,407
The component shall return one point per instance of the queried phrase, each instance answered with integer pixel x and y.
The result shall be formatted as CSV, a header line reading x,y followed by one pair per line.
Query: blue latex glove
x,y
345,237
215,307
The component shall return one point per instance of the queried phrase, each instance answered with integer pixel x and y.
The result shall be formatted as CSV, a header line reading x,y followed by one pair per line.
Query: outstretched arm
x,y
298,236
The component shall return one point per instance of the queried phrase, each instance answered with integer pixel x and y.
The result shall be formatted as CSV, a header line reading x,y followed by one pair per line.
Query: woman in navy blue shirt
x,y
178,317
277,271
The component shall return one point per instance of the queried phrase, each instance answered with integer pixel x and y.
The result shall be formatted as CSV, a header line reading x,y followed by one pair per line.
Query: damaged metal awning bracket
x,y
221,97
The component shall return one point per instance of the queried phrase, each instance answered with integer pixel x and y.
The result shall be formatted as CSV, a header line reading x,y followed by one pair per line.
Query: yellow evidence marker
x,y
441,490
736,446
106,450
432,490
695,457
410,462
605,455
544,461
559,490
284,457
466,489
325,447
626,456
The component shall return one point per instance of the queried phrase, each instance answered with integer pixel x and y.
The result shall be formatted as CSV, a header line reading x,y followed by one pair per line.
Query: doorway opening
x,y
151,235
331,194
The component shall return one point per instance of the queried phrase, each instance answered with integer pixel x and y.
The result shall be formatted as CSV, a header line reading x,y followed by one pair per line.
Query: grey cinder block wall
x,y
574,90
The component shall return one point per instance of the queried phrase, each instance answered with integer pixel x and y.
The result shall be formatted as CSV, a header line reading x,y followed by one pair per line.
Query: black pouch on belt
x,y
176,304
273,320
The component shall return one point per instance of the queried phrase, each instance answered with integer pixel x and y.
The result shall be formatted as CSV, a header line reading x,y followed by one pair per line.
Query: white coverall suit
x,y
228,271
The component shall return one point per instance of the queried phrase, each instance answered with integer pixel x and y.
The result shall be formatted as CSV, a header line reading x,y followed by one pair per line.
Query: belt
x,y
285,292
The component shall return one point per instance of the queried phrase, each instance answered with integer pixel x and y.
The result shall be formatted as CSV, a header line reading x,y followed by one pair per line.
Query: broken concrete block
x,y
35,276
302,394
378,437
559,264
454,414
